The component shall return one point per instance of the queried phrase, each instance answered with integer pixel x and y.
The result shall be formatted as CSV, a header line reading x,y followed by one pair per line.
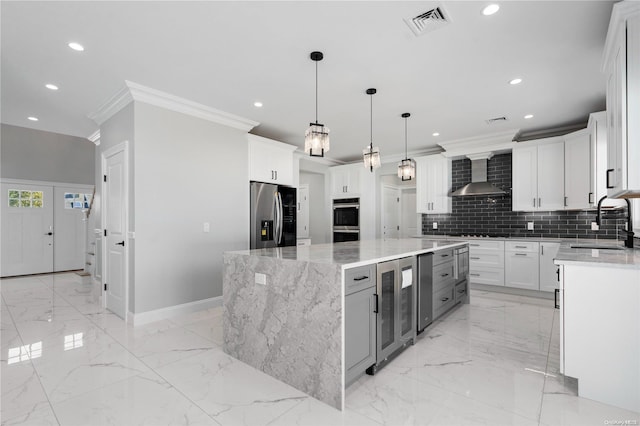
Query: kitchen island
x,y
284,308
599,300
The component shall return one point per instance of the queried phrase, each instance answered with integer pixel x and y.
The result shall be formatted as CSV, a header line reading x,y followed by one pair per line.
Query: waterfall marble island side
x,y
283,308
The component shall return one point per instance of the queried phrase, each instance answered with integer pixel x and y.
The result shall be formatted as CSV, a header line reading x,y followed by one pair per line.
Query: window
x,y
76,200
29,199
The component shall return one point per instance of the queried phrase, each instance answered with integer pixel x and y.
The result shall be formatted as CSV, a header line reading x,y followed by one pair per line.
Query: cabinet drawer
x,y
486,245
443,300
442,256
442,275
356,279
486,258
460,291
523,246
490,276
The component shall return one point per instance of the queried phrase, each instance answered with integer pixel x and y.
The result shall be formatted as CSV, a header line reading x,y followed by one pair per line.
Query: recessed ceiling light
x,y
76,46
436,134
51,86
257,104
515,81
490,10
32,118
528,116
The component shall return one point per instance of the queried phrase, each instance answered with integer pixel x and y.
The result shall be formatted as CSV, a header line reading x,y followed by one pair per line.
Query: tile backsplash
x,y
483,214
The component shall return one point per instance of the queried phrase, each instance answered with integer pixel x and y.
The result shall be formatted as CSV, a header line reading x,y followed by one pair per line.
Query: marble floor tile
x,y
311,412
145,399
197,316
210,329
21,390
560,409
230,391
41,416
21,283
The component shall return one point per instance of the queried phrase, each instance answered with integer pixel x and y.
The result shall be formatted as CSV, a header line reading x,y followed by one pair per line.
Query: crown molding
x,y
495,142
139,93
326,161
621,12
95,137
396,158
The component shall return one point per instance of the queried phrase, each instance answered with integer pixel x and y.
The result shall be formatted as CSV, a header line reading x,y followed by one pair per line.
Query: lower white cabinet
x,y
548,270
486,262
522,269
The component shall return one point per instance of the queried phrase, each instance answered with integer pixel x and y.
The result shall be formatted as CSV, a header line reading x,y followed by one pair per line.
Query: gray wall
x,y
36,155
319,221
187,171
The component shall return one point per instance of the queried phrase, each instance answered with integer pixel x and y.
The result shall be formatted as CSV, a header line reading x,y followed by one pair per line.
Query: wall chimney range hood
x,y
479,184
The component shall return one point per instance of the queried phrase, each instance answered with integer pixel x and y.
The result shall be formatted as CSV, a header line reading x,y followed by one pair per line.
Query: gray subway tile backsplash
x,y
493,215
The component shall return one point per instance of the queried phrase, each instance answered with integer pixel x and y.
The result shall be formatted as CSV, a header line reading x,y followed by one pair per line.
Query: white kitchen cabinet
x,y
538,175
522,265
433,184
345,180
486,262
621,65
302,217
270,161
548,270
578,192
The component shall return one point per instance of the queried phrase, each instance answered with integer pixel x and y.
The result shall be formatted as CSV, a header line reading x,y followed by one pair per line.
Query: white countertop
x,y
627,258
355,253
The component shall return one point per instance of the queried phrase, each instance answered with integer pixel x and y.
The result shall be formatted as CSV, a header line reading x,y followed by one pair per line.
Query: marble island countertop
x,y
355,253
625,258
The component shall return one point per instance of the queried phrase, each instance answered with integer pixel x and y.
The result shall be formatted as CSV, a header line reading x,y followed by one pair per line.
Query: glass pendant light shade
x,y
371,154
407,167
316,138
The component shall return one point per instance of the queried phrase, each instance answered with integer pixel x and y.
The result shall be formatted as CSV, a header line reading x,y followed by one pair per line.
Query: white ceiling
x,y
229,54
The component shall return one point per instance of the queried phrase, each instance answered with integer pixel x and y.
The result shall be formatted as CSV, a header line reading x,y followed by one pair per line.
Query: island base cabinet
x,y
601,332
360,333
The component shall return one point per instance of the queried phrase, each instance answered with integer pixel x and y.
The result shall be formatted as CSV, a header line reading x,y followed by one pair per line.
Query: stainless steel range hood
x,y
479,184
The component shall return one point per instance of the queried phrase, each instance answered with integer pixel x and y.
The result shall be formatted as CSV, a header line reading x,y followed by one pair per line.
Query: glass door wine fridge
x,y
395,313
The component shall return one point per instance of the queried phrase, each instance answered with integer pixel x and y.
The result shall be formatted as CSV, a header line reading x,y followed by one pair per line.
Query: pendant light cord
x,y
371,126
316,92
405,138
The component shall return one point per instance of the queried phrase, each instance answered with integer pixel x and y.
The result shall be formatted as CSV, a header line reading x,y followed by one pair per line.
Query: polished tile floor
x,y
67,361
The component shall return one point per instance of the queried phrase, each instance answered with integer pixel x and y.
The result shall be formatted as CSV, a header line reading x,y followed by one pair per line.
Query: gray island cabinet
x,y
305,314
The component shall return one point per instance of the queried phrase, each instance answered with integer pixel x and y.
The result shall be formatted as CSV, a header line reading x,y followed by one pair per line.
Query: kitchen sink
x,y
596,246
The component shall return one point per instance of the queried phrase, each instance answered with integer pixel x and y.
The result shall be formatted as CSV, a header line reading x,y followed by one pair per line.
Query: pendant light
x,y
371,155
316,138
407,167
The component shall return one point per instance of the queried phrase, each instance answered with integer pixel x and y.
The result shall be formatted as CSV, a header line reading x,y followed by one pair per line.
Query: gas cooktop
x,y
480,235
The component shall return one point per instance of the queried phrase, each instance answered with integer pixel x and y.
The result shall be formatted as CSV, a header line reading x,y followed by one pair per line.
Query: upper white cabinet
x,y
621,65
433,184
270,161
538,175
578,181
345,180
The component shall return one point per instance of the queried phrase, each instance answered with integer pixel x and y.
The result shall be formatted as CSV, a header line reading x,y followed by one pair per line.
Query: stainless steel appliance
x,y
346,220
273,215
460,263
395,309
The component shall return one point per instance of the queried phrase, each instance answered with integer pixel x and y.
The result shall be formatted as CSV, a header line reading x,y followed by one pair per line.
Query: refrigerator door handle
x,y
276,221
279,221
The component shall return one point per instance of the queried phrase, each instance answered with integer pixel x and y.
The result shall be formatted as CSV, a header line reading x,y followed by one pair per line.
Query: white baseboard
x,y
172,311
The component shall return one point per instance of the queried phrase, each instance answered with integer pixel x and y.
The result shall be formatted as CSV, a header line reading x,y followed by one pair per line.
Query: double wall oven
x,y
346,220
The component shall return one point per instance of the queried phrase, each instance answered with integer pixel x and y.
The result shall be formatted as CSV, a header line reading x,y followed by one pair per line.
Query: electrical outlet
x,y
261,279
206,227
435,225
594,226
529,226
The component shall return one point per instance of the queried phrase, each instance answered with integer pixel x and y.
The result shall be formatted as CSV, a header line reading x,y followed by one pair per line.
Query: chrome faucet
x,y
630,234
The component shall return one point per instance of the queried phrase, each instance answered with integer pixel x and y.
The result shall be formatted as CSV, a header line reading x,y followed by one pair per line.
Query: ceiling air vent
x,y
495,120
428,21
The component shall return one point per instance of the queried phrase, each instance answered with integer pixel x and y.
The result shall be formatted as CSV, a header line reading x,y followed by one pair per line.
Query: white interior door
x,y
390,212
115,224
70,227
27,229
409,226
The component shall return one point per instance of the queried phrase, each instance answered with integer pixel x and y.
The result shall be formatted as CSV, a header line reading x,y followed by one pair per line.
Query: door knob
x,y
49,233
121,243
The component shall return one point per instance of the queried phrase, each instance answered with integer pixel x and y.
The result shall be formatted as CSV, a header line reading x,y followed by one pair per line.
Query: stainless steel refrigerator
x,y
273,215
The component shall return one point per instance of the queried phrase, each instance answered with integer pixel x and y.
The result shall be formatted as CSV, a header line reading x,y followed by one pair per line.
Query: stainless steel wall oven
x,y
346,220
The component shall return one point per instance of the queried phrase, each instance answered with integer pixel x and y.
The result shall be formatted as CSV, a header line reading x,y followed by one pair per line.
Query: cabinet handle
x,y
558,273
565,201
444,299
474,245
556,293
271,174
534,202
461,291
609,185
590,200
364,277
542,250
444,255
524,247
520,254
276,172
375,311
444,275
474,275
539,202
474,258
